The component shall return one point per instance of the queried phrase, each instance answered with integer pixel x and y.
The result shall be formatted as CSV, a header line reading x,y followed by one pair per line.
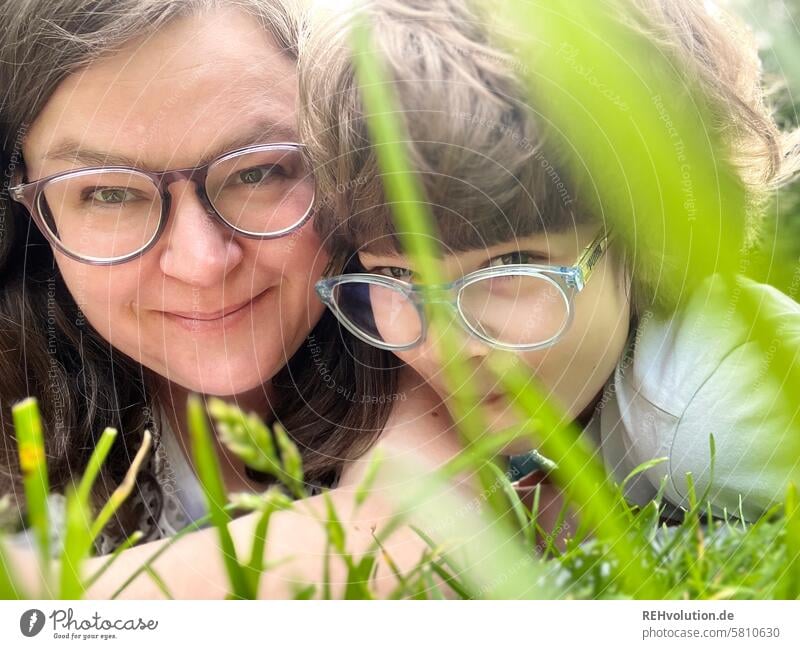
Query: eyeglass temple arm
x,y
592,254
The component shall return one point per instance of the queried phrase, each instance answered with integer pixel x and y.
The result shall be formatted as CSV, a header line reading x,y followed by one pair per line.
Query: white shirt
x,y
184,501
699,372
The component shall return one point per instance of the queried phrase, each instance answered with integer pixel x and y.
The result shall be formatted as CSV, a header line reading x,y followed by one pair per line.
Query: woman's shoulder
x,y
418,427
419,416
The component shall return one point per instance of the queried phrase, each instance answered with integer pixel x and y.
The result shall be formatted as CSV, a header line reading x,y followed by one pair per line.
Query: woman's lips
x,y
214,322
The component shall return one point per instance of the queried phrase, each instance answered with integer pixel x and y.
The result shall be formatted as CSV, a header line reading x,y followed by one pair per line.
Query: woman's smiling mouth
x,y
200,322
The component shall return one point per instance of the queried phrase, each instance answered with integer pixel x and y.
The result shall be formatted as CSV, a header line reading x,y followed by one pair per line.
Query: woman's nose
x,y
199,249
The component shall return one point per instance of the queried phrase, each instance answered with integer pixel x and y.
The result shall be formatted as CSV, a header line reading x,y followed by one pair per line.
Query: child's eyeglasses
x,y
519,307
109,215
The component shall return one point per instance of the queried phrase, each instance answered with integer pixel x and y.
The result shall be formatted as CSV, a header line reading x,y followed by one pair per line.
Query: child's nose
x,y
199,250
474,347
468,345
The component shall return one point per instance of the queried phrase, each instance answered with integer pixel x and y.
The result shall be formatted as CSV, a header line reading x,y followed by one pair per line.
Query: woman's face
x,y
574,369
209,311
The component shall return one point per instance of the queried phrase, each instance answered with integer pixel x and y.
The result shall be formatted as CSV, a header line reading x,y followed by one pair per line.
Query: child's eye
x,y
511,258
397,272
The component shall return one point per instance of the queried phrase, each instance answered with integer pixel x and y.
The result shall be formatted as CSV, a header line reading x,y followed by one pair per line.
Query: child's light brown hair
x,y
488,170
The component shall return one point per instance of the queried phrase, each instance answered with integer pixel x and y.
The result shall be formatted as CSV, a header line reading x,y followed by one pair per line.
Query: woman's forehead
x,y
160,100
94,150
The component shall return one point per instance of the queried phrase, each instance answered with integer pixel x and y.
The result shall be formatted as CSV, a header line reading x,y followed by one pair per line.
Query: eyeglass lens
x,y
380,312
511,309
106,214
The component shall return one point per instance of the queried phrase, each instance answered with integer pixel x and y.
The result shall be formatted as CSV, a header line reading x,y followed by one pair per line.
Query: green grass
x,y
721,559
81,526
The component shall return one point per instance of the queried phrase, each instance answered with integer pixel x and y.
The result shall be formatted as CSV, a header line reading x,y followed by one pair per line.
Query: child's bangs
x,y
468,216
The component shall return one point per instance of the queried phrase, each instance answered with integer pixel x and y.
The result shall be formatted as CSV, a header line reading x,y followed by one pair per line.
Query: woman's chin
x,y
220,383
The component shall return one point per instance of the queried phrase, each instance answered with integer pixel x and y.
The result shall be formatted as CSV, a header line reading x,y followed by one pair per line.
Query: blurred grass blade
x,y
644,148
492,445
485,555
417,232
95,463
358,577
33,462
78,534
192,527
641,468
208,471
365,486
268,503
270,451
791,579
528,530
123,490
132,540
334,527
635,135
77,541
245,435
290,461
159,582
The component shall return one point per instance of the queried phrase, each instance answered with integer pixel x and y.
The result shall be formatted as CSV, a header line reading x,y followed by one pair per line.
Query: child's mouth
x,y
492,398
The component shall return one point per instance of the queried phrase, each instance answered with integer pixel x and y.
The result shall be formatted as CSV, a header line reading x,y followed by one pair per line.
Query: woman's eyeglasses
x,y
519,307
109,215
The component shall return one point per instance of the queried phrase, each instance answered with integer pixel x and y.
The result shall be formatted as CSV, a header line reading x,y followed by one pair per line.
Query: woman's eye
x,y
257,175
111,195
512,258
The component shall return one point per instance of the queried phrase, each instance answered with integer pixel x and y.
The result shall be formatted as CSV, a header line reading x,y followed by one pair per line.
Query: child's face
x,y
575,368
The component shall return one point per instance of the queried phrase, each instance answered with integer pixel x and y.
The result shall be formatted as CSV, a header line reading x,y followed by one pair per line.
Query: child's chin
x,y
501,420
518,447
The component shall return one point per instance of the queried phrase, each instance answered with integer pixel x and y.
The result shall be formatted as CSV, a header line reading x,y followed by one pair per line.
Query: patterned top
x,y
182,499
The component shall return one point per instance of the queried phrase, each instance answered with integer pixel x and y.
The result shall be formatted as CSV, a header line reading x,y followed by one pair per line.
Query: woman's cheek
x,y
98,290
299,253
105,296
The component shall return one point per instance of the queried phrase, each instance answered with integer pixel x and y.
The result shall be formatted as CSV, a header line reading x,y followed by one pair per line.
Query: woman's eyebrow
x,y
70,150
263,131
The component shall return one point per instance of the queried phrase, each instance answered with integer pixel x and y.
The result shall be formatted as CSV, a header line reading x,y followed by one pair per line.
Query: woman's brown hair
x,y
328,397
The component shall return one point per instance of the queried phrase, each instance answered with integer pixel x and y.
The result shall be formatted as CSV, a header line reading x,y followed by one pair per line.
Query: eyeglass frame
x,y
29,195
569,279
